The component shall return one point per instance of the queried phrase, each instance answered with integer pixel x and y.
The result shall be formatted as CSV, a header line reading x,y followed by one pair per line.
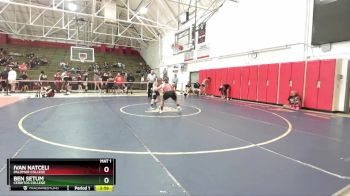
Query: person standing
x,y
104,80
151,78
165,73
142,81
168,91
205,84
86,78
110,82
97,81
175,81
3,77
58,81
42,77
12,76
78,79
66,78
155,93
125,74
24,86
130,79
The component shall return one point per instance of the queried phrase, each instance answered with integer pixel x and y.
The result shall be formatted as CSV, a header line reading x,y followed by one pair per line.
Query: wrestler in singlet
x,y
168,91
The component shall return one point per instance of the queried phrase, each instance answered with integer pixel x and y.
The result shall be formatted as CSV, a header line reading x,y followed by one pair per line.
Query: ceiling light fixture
x,y
143,10
72,7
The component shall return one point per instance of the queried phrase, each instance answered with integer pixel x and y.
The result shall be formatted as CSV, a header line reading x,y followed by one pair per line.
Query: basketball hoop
x,y
177,47
82,60
82,54
82,57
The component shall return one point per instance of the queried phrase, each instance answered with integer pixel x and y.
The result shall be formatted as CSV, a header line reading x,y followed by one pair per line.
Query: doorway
x,y
194,77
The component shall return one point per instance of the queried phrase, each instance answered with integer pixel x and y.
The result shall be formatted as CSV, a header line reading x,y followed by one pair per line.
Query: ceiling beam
x,y
1,16
187,4
141,21
160,26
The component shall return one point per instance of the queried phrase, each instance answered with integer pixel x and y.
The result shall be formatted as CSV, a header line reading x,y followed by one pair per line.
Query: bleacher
x,y
57,55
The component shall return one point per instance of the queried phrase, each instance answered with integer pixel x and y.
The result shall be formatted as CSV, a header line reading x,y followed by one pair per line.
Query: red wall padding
x,y
291,78
325,92
234,80
202,75
253,83
311,91
271,93
297,77
320,84
220,78
244,82
285,82
237,81
212,82
264,83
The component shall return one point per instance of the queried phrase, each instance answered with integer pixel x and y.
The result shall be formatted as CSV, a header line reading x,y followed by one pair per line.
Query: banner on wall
x,y
201,33
176,68
189,55
179,67
203,51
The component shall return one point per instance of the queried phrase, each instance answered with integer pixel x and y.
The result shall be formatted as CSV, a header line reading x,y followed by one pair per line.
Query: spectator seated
x,y
196,88
64,66
294,101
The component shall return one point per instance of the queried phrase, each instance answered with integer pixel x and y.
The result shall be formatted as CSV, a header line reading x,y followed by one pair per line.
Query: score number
x,y
106,164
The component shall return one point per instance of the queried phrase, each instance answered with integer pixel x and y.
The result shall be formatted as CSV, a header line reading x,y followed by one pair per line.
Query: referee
x,y
151,78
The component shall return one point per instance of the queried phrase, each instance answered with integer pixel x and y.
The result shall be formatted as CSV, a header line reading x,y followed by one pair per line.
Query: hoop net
x,y
177,47
82,57
82,60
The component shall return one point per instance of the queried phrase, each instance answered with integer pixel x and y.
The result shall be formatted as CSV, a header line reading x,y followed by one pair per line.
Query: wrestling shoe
x,y
178,108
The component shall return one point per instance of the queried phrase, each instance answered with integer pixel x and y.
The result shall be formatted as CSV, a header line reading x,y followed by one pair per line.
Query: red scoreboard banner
x,y
201,33
61,174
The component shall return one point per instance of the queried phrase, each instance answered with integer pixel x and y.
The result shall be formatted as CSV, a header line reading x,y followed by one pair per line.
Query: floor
x,y
6,100
212,147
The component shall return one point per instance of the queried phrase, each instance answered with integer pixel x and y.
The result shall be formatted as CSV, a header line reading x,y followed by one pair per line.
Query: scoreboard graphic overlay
x,y
61,174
